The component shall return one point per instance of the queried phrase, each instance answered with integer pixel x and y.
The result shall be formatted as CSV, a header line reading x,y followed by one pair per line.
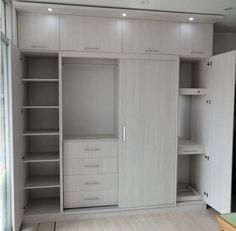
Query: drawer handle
x,y
92,166
91,183
37,46
92,48
92,149
152,50
123,134
91,199
197,52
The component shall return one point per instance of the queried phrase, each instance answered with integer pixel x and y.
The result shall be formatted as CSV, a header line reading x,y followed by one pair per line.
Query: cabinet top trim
x,y
115,12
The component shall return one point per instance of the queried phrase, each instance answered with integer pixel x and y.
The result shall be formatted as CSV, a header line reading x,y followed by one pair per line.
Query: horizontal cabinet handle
x,y
197,52
152,50
91,183
91,199
191,150
38,46
92,166
92,48
92,149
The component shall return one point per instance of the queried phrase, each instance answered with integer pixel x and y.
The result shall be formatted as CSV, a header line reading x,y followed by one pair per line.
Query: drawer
x,y
190,150
75,166
90,198
91,182
90,149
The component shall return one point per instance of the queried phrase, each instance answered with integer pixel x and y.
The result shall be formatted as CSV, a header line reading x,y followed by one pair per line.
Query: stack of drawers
x,y
90,173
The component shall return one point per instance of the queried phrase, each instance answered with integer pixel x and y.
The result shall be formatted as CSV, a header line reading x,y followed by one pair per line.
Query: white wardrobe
x,y
118,114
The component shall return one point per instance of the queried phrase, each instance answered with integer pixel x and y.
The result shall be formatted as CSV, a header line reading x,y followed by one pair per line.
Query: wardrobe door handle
x,y
91,183
91,199
37,46
92,166
197,52
123,134
92,48
152,50
92,149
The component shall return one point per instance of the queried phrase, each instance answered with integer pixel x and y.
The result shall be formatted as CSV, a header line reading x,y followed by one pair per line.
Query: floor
x,y
197,220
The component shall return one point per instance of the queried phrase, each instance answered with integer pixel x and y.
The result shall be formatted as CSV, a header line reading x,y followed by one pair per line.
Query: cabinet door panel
x,y
196,39
148,94
221,111
90,34
38,31
155,37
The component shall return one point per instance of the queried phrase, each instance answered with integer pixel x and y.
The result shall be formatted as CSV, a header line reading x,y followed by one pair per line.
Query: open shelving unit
x,y
187,193
41,134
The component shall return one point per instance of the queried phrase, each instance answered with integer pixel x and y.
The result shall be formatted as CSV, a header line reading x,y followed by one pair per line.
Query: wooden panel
x,y
90,34
146,36
196,39
76,149
148,93
38,31
90,166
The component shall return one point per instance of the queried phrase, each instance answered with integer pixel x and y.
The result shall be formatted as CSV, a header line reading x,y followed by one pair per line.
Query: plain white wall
x,y
224,42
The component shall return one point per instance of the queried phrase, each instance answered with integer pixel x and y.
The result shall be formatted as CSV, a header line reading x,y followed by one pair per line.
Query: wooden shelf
x,y
193,91
40,80
42,206
90,137
41,132
36,182
41,157
186,193
189,147
40,107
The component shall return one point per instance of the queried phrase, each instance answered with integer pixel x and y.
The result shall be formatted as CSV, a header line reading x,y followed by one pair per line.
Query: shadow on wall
x,y
224,42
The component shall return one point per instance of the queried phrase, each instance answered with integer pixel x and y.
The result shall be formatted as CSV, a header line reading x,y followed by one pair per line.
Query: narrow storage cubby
x,y
191,149
42,201
41,133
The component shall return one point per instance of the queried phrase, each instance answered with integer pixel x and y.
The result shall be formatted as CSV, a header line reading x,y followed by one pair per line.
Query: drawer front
x,y
90,149
90,198
91,182
90,166
193,150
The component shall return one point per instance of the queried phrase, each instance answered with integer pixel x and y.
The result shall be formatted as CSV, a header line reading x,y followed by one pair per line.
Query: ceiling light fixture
x,y
124,14
50,9
191,19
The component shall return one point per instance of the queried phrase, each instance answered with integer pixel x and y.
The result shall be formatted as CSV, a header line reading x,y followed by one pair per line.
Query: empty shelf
x,y
36,182
40,80
39,206
189,147
193,91
41,132
40,107
186,193
41,157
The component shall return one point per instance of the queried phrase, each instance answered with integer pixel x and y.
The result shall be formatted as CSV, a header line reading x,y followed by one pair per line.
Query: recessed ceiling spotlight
x,y
191,19
50,9
124,14
228,8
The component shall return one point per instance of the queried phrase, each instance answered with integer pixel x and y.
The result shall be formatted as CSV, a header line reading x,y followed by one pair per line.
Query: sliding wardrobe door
x,y
148,123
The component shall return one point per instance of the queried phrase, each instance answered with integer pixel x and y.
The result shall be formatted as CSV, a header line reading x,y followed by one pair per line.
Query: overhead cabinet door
x,y
38,31
154,37
196,39
148,98
95,34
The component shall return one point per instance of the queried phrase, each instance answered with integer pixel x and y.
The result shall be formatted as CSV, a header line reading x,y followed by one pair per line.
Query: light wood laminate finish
x,y
151,37
196,40
148,147
38,31
92,34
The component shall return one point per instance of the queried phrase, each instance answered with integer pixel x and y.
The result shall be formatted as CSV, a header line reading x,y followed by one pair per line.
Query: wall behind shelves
x,y
224,42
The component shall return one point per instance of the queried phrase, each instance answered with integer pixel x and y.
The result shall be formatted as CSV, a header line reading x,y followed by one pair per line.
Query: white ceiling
x,y
227,24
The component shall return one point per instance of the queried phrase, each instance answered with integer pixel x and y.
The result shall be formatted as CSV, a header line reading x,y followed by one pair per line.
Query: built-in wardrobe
x,y
112,115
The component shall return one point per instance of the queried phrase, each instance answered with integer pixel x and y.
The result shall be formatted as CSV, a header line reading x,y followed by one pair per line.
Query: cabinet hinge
x,y
205,194
209,63
208,101
207,157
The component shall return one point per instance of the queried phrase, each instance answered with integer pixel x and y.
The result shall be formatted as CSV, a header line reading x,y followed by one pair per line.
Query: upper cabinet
x,y
38,31
152,37
196,39
80,33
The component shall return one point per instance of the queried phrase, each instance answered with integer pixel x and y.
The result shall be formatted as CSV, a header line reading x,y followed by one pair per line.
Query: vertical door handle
x,y
123,134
